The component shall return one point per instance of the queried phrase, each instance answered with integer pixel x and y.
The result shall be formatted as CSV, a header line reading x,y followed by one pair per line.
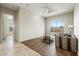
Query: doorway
x,y
8,26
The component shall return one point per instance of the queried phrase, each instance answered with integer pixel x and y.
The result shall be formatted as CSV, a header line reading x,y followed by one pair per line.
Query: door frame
x,y
10,12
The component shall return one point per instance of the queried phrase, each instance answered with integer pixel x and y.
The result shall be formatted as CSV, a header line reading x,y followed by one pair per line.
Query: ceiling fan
x,y
46,9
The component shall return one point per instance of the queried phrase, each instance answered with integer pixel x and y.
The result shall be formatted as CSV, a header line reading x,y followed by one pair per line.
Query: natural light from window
x,y
58,23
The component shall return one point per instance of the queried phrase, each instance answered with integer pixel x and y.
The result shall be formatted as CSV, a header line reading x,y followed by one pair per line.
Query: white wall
x,y
5,26
67,18
76,20
0,28
30,25
17,26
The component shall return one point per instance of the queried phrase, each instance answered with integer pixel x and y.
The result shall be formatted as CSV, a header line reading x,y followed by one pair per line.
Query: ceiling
x,y
59,8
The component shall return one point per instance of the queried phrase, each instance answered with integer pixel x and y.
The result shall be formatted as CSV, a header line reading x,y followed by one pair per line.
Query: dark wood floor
x,y
45,49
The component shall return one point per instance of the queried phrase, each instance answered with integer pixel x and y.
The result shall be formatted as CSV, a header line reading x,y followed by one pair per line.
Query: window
x,y
57,26
10,21
57,23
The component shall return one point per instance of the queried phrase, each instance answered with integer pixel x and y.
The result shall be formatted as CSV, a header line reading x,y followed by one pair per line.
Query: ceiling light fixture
x,y
47,9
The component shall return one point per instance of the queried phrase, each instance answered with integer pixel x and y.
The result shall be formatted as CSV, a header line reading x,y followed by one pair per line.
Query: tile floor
x,y
9,47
